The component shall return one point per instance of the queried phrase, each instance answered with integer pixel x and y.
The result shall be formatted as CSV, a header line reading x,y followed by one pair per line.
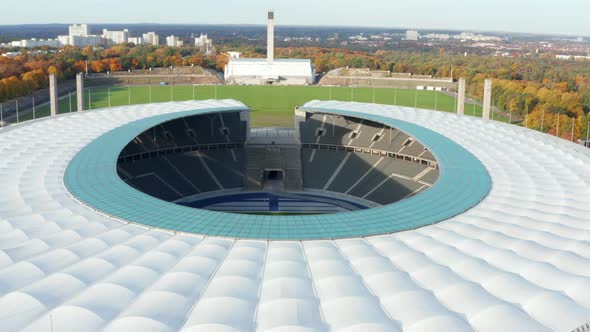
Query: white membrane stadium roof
x,y
518,261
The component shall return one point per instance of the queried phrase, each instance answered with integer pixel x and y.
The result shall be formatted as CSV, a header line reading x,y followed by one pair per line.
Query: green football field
x,y
270,105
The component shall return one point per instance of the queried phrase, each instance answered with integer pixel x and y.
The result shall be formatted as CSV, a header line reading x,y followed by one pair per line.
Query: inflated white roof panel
x,y
518,261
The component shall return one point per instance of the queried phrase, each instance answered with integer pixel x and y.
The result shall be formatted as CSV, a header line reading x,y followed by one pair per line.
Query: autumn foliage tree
x,y
540,89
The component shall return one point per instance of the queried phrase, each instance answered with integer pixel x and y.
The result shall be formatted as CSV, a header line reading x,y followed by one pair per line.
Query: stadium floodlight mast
x,y
34,115
587,131
70,100
542,120
1,116
16,102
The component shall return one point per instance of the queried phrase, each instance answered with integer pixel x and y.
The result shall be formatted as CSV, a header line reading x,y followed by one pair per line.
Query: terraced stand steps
x,y
280,157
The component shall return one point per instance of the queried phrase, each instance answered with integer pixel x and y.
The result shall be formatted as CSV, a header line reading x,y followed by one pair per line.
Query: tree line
x,y
537,88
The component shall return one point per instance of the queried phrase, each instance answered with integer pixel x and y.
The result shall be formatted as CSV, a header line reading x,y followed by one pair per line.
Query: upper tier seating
x,y
330,129
218,128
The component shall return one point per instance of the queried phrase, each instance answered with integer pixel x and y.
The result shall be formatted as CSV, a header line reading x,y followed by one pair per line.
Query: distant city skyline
x,y
527,16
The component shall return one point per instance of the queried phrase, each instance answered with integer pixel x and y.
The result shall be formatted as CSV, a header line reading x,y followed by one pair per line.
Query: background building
x,y
204,42
173,41
79,35
269,70
30,43
115,37
135,40
412,35
151,38
87,41
81,30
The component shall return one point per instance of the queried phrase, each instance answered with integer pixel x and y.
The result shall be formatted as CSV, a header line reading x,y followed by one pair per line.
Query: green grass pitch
x,y
270,105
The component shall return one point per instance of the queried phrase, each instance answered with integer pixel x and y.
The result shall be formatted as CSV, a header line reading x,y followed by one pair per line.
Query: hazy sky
x,y
537,16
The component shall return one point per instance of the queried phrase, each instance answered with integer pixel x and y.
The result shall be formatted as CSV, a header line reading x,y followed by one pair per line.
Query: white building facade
x,y
115,37
81,30
173,41
151,38
412,35
135,40
79,35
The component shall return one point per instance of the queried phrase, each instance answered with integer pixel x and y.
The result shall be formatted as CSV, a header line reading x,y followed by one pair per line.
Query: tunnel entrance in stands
x,y
273,175
273,180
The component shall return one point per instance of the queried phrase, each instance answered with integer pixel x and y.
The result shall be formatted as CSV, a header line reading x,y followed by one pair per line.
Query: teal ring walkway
x,y
92,178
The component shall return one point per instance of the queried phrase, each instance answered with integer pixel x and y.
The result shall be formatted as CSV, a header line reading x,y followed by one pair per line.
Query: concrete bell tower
x,y
270,43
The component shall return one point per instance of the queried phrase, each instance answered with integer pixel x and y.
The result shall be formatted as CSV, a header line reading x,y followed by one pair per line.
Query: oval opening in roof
x,y
93,176
330,164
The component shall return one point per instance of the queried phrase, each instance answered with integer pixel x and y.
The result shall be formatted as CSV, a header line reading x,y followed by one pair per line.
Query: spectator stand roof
x,y
517,261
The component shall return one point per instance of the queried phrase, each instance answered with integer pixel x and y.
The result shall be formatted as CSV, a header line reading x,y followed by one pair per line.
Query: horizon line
x,y
318,26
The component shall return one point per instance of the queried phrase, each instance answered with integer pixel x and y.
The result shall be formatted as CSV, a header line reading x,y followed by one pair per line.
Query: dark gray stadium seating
x,y
214,162
191,166
356,166
360,176
174,176
373,178
365,134
180,131
431,176
151,185
414,149
228,171
404,168
317,172
397,141
338,130
190,131
428,155
393,190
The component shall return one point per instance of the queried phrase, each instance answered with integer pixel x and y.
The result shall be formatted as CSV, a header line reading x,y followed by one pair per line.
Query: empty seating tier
x,y
363,158
338,154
